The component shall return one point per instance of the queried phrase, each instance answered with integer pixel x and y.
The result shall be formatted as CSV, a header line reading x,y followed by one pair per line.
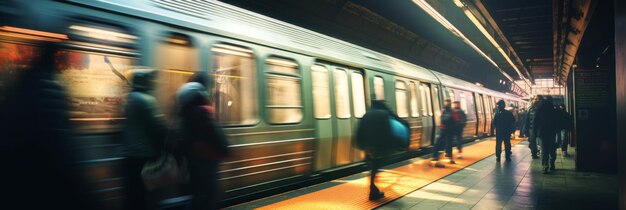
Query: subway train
x,y
289,99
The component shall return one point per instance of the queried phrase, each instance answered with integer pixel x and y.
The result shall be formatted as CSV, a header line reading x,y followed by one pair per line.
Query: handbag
x,y
164,172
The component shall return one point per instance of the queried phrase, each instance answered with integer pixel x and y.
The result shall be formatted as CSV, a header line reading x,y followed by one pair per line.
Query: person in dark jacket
x,y
373,135
546,126
504,123
144,132
567,125
204,142
530,126
460,119
446,133
39,163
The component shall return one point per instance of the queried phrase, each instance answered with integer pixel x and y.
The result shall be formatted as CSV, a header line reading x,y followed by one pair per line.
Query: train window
x,y
14,60
284,103
358,94
401,99
176,60
451,95
379,88
235,85
414,109
321,92
342,95
463,102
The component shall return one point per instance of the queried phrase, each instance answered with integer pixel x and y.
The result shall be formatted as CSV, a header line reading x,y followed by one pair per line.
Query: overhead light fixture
x,y
443,21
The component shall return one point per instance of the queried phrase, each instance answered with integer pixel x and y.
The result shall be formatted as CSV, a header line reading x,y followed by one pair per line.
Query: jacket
x,y
144,129
503,121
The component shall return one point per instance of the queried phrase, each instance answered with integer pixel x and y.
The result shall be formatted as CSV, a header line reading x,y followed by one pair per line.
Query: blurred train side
x,y
288,98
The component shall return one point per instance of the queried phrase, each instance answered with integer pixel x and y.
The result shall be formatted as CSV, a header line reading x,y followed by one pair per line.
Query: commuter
x,y
446,133
204,142
35,141
546,126
521,125
504,123
459,117
144,133
373,138
530,126
567,124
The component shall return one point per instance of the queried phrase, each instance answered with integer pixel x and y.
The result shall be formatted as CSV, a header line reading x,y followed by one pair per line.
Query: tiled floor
x,y
519,184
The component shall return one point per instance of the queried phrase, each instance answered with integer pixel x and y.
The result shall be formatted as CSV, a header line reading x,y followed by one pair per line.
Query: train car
x,y
288,98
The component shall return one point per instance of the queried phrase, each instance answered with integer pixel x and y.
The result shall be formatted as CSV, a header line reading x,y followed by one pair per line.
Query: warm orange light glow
x,y
33,32
31,37
97,119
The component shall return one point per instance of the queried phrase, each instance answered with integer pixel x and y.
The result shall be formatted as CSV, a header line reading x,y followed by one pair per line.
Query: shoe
x,y
459,156
452,162
439,165
376,196
498,159
508,160
552,168
535,157
546,170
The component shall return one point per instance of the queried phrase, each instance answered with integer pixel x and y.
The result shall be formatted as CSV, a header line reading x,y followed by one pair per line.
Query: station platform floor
x,y
475,182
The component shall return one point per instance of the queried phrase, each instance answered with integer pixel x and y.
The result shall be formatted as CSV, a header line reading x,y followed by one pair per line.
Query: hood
x,y
191,93
143,79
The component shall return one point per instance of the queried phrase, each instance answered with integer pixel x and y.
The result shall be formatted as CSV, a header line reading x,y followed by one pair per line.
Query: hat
x,y
189,92
500,103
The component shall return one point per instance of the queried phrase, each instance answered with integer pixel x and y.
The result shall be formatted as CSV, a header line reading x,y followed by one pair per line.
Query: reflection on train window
x,y
284,104
423,95
95,82
428,99
401,99
176,61
14,60
342,96
451,95
321,92
235,85
358,95
379,88
414,104
463,103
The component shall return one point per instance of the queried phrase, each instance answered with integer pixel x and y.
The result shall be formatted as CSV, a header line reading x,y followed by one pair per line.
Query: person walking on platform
x,y
504,123
446,135
204,142
566,125
459,117
372,136
144,133
522,123
546,126
530,126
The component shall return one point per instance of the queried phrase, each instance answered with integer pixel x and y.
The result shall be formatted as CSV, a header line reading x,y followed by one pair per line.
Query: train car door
x,y
334,120
435,96
480,110
427,115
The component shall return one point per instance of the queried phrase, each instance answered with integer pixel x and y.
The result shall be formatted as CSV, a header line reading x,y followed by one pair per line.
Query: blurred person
x,y
144,133
205,143
460,119
530,126
504,123
566,125
521,124
39,163
373,138
546,120
446,135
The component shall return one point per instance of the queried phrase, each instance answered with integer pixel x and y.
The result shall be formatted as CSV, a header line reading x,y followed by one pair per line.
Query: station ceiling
x,y
540,37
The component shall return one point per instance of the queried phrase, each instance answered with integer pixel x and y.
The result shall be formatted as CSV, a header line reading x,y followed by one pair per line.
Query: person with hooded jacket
x,y
204,144
546,126
504,123
373,137
143,135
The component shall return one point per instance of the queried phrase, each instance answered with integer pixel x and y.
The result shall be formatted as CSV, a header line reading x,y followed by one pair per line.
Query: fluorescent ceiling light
x,y
443,21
